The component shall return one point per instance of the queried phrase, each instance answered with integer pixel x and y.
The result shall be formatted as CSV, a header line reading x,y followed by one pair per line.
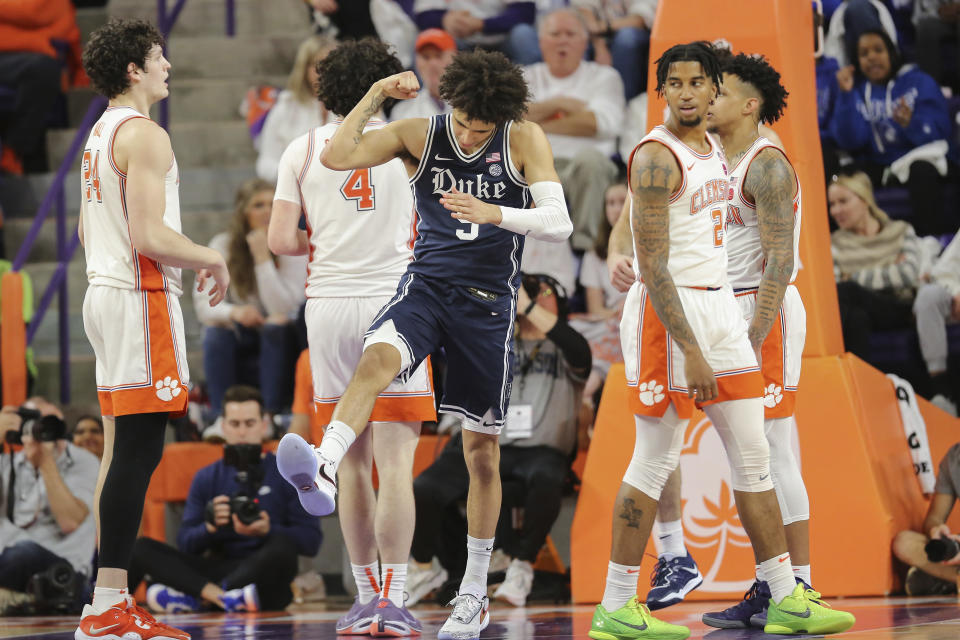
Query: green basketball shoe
x,y
804,612
633,620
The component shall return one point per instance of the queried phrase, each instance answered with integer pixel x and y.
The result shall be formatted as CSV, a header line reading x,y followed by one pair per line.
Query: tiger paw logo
x,y
772,396
168,389
651,393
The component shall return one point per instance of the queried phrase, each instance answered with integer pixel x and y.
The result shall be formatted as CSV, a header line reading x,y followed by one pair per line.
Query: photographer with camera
x,y
539,438
934,555
47,533
242,528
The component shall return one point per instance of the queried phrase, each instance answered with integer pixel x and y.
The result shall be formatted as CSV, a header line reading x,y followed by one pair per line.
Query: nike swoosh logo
x,y
783,559
323,474
805,614
632,626
762,478
633,570
690,168
95,630
442,159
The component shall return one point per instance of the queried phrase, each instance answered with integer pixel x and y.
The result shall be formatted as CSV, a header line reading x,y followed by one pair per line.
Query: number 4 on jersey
x,y
358,187
91,175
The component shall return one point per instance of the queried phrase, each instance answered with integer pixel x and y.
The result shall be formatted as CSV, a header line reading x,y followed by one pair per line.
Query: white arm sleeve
x,y
548,221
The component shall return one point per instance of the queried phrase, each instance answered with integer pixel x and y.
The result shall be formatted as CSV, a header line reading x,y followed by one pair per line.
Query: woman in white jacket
x,y
938,302
250,338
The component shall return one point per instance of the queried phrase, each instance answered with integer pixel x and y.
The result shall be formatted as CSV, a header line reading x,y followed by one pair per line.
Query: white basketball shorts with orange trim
x,y
782,352
138,340
335,331
655,365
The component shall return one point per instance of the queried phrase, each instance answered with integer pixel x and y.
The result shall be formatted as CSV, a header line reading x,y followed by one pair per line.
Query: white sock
x,y
779,574
394,580
621,585
337,438
802,571
670,539
478,562
104,598
366,577
758,573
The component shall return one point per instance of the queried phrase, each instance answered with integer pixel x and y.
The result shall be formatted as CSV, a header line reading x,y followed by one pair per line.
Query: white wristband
x,y
549,220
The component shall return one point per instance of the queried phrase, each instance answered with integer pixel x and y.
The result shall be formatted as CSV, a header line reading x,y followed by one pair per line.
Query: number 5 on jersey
x,y
359,188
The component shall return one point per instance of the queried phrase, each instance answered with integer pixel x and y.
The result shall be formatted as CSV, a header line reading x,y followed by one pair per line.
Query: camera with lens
x,y
942,549
40,427
57,590
245,458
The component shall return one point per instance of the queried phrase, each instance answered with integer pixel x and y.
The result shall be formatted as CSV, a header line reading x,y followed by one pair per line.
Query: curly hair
x,y
756,71
700,51
239,259
114,46
485,86
348,72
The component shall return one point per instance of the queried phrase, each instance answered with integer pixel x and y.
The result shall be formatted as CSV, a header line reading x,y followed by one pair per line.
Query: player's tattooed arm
x,y
654,176
772,184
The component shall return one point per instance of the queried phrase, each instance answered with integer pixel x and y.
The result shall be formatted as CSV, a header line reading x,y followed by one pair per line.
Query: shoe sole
x,y
359,628
381,628
722,623
483,625
757,622
678,596
297,463
603,635
825,629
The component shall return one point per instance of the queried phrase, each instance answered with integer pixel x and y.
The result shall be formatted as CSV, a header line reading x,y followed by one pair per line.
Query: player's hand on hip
x,y
701,383
400,85
464,206
621,271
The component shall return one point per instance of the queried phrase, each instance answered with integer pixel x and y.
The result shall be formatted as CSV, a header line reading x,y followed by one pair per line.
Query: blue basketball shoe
x,y
755,601
672,580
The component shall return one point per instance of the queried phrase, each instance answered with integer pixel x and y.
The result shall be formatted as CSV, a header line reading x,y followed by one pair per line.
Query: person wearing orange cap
x,y
435,49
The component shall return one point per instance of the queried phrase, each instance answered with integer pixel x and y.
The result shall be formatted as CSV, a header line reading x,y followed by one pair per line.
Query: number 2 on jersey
x,y
91,175
358,187
717,215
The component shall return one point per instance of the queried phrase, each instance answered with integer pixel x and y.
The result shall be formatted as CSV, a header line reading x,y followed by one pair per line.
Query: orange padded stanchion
x,y
13,339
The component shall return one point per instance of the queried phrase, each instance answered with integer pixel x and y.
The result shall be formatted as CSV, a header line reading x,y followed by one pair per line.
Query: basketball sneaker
x,y
164,599
672,580
389,620
759,620
357,621
309,473
633,620
803,611
124,621
242,599
516,584
469,617
421,582
739,616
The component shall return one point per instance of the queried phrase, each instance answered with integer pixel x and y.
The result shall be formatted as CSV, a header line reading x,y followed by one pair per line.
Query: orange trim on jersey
x,y
149,275
688,147
683,172
746,172
113,134
163,363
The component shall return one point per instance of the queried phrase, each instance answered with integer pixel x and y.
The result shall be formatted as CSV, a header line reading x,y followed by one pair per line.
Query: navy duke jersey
x,y
459,252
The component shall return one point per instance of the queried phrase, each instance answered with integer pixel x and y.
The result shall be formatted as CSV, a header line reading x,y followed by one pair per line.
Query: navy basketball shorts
x,y
473,326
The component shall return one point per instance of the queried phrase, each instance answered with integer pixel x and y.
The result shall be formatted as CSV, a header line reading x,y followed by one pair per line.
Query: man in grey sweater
x,y
938,302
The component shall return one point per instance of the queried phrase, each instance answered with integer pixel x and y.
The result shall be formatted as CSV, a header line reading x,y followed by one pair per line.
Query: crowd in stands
x,y
887,74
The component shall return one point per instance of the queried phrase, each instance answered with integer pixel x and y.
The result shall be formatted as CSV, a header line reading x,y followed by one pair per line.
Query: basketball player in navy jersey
x,y
474,173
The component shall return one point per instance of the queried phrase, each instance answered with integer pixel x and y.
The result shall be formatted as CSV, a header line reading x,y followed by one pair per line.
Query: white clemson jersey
x,y
745,254
112,259
697,212
360,222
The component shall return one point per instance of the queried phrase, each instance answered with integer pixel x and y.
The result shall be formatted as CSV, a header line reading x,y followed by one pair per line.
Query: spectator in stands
x,y
580,106
849,21
938,302
539,437
924,577
297,109
46,502
88,434
504,25
227,558
876,262
826,71
345,19
435,49
39,39
620,35
601,323
937,21
250,336
895,116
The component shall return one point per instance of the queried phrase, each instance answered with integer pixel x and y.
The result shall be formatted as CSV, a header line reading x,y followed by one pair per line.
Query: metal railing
x,y
56,197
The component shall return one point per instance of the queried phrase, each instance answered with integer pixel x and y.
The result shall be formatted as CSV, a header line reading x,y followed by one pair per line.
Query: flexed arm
x,y
771,183
654,176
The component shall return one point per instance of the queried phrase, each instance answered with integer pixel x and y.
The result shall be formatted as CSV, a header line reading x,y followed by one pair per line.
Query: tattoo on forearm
x,y
771,182
375,103
631,513
651,231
